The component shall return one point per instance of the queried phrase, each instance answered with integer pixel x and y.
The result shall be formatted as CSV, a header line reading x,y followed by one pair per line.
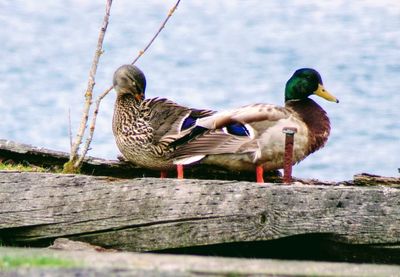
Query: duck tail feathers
x,y
189,160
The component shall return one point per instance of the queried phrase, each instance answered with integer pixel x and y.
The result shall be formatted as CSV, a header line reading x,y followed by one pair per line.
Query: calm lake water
x,y
217,55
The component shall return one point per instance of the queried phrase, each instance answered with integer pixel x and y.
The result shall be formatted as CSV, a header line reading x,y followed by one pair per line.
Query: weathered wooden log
x,y
39,156
151,214
365,179
19,152
91,263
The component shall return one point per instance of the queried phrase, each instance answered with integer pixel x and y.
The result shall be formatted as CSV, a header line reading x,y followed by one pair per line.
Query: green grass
x,y
23,167
20,167
7,262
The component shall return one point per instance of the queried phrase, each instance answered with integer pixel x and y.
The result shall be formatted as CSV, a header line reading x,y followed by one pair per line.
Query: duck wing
x,y
170,120
246,114
233,131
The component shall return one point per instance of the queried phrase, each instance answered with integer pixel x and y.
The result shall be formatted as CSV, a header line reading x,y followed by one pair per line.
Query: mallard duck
x,y
144,128
251,138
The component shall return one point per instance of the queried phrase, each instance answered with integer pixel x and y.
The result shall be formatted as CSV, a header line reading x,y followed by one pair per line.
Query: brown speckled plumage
x,y
144,128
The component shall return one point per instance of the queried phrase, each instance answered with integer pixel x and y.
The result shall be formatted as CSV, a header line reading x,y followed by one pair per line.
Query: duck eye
x,y
124,80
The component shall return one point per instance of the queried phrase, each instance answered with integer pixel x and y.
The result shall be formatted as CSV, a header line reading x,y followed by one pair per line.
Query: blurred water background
x,y
212,54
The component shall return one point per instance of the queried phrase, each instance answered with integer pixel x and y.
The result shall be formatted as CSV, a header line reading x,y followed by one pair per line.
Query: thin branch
x,y
91,83
92,126
170,13
98,100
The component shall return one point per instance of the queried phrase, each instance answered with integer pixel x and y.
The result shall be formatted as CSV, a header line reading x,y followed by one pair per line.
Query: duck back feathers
x,y
144,129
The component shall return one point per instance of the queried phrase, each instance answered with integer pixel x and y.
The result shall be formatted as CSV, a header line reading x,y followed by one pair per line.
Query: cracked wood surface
x,y
152,214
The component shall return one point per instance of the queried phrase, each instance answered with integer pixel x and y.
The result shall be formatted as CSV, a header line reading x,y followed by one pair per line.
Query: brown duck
x,y
144,128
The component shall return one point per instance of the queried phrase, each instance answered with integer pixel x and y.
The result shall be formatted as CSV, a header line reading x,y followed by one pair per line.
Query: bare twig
x,y
98,100
92,126
89,92
170,13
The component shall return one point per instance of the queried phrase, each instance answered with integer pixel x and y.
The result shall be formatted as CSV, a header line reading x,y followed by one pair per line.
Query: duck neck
x,y
127,100
126,112
315,118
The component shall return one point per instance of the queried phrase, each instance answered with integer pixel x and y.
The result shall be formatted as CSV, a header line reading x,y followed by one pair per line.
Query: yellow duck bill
x,y
322,92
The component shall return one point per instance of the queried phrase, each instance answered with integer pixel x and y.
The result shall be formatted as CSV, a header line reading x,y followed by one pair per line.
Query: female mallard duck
x,y
144,128
251,138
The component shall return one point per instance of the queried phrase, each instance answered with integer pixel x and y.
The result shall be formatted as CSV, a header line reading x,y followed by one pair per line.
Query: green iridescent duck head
x,y
129,79
305,82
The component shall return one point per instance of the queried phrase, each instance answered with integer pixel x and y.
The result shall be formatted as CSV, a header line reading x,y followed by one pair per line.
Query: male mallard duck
x,y
251,138
144,128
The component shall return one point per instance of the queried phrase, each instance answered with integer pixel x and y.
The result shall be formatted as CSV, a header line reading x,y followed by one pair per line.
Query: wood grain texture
x,y
151,214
